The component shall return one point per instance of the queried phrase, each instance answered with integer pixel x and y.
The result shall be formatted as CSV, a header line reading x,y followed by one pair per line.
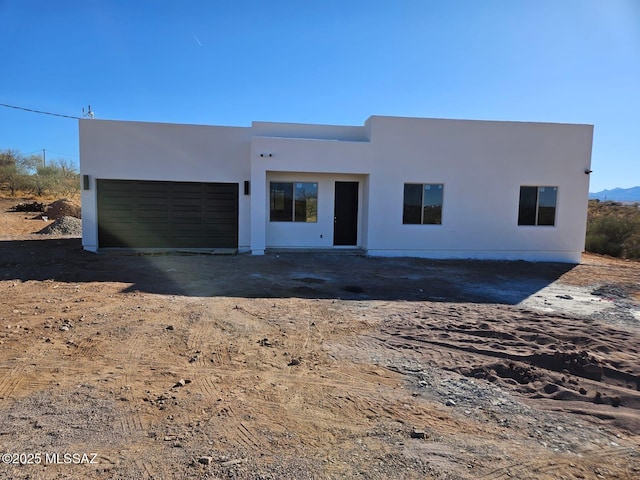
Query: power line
x,y
63,154
38,111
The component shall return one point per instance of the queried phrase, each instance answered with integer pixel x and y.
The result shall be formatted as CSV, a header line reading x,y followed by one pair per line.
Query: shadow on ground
x,y
302,275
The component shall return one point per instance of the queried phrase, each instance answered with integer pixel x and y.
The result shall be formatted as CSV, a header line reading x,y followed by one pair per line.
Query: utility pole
x,y
44,158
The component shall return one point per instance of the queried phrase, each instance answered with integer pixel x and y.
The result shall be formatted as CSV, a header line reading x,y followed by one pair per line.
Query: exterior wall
x,y
157,151
481,164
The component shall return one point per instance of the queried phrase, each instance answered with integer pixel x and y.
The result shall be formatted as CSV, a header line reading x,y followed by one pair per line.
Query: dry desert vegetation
x,y
309,366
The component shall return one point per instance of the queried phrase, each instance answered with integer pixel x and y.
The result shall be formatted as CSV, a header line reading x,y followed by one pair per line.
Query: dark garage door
x,y
149,214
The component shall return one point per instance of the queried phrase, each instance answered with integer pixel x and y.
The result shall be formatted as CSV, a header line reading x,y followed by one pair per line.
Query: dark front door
x,y
345,220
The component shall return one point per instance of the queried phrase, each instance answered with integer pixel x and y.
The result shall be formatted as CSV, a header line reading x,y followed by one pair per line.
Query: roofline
x,y
320,125
476,120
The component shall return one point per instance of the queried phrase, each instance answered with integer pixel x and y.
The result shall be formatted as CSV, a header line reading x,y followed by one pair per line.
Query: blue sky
x,y
324,61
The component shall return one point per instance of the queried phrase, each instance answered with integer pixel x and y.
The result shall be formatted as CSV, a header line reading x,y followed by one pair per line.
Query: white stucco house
x,y
392,187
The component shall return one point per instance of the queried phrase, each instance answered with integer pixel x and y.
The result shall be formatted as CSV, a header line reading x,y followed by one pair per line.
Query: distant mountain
x,y
618,194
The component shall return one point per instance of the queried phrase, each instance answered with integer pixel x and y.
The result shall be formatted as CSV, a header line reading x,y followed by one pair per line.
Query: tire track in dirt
x,y
379,346
140,352
34,378
225,354
522,351
294,412
89,348
338,395
217,363
227,424
280,404
33,369
199,343
207,385
23,380
146,469
584,464
137,464
10,379
538,375
133,426
131,423
243,435
134,346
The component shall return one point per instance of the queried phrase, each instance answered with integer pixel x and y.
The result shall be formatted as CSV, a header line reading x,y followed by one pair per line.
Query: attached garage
x,y
160,214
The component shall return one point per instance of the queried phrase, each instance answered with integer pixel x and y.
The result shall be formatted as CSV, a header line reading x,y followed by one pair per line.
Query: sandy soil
x,y
313,366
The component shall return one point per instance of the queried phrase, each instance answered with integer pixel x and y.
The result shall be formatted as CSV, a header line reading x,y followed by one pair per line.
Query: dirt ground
x,y
312,366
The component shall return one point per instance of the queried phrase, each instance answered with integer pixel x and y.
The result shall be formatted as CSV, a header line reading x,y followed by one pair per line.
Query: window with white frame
x,y
423,203
293,202
537,206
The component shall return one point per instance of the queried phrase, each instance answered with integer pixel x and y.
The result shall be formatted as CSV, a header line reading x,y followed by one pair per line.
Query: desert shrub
x,y
602,244
613,229
632,246
29,174
12,171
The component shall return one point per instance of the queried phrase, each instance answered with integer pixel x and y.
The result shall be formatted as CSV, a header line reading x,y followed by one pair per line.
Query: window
x,y
422,203
294,202
537,206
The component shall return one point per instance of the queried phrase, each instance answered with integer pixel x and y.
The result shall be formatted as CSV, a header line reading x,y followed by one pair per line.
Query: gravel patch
x,y
70,226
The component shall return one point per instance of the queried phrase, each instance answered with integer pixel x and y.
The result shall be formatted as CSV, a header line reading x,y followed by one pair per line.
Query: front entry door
x,y
345,217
